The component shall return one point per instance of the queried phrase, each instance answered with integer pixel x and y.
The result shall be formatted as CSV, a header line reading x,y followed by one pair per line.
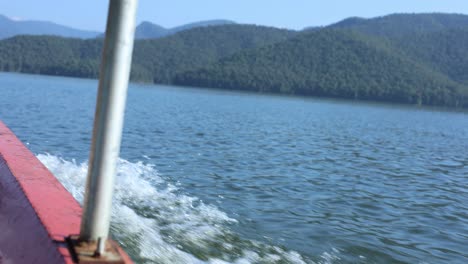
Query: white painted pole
x,y
108,122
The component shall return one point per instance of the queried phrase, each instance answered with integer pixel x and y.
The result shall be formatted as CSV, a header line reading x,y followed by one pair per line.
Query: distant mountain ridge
x,y
395,25
145,30
403,58
148,30
10,28
389,26
334,63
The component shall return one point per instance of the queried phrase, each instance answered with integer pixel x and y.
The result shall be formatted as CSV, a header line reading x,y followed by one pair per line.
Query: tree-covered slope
x,y
424,67
192,49
50,55
157,60
404,24
333,63
445,51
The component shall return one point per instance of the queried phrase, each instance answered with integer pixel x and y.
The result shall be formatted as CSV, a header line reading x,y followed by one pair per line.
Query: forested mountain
x,y
404,24
155,60
206,23
416,59
445,51
148,30
333,63
160,60
51,55
145,30
9,28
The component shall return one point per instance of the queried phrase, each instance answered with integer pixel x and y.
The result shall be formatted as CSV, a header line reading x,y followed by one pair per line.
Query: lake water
x,y
221,177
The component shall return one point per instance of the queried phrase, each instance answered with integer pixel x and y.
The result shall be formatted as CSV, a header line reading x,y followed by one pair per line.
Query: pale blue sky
x,y
295,14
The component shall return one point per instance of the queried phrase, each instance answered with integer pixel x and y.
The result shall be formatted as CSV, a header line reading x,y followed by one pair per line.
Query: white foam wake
x,y
157,224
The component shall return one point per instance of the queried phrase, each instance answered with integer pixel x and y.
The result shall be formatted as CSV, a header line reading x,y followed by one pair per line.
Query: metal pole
x,y
108,122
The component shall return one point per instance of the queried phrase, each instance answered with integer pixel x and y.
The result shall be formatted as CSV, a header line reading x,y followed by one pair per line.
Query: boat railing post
x,y
108,122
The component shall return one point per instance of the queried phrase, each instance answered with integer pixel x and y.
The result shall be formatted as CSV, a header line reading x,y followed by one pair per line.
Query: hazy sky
x,y
295,14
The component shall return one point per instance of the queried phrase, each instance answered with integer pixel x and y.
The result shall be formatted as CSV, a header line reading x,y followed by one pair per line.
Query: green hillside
x,y
156,60
444,51
333,63
404,58
51,55
163,58
397,25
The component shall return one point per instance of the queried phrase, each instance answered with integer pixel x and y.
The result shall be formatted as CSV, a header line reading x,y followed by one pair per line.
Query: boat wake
x,y
156,223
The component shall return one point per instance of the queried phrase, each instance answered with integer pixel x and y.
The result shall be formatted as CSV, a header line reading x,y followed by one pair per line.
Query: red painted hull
x,y
36,212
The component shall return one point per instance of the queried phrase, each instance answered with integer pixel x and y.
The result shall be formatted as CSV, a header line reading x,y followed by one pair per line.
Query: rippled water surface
x,y
218,177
